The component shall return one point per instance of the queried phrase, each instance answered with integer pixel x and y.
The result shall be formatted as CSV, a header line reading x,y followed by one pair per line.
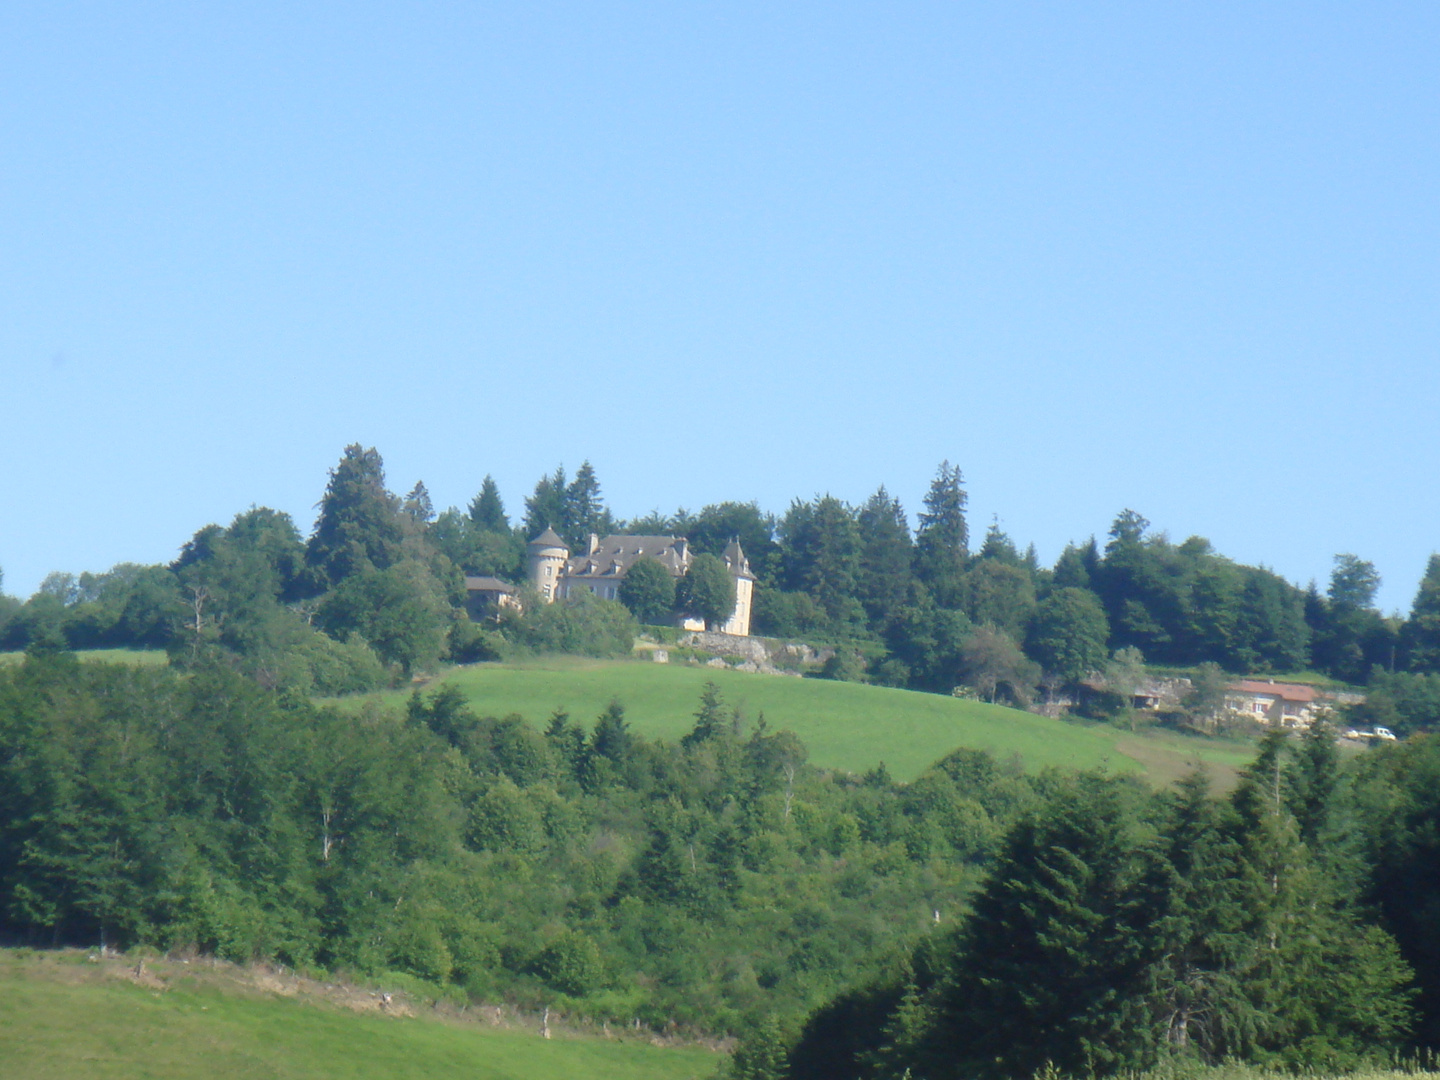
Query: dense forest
x,y
975,922
979,921
376,592
698,884
1291,925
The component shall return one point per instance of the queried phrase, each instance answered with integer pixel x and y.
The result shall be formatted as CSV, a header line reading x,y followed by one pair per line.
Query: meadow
x,y
66,1016
846,726
146,657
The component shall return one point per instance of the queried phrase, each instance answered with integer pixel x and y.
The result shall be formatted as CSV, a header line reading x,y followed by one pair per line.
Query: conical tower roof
x,y
548,539
735,559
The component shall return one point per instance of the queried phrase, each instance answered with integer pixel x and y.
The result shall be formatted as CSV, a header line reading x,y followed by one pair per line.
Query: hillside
x,y
844,725
67,1016
142,657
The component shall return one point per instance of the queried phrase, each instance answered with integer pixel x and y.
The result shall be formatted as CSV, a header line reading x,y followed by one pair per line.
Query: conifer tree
x,y
761,1054
1314,777
359,527
1270,631
1314,985
547,508
821,556
1397,796
709,720
1193,988
1071,570
999,547
585,511
487,510
1421,634
886,556
907,1027
1055,959
417,505
611,739
942,541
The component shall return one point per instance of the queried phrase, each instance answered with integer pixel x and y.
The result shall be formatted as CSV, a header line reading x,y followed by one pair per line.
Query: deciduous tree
x,y
400,611
990,659
649,591
707,591
1069,633
1001,594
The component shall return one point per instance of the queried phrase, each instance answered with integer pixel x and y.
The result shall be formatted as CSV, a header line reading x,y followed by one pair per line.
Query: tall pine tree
x,y
487,510
885,558
360,525
1421,634
942,542
1055,958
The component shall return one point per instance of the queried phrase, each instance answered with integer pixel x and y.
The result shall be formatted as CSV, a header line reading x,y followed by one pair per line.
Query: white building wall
x,y
739,621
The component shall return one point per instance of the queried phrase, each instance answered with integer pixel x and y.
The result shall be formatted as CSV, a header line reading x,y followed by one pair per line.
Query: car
x,y
1385,733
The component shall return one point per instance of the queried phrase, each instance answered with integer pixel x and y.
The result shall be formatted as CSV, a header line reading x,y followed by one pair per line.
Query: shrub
x,y
571,964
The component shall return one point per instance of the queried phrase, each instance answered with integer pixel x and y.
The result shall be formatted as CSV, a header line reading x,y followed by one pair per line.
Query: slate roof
x,y
487,584
614,555
548,539
737,562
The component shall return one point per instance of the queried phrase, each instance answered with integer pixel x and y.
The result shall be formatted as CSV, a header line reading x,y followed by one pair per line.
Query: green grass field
x,y
845,725
109,656
62,1018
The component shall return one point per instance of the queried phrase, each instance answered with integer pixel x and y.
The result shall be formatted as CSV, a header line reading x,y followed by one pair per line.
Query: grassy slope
x,y
109,656
844,725
63,1019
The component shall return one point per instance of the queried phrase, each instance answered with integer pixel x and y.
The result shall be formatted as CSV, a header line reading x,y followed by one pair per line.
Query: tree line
x,y
705,883
1290,925
977,921
376,591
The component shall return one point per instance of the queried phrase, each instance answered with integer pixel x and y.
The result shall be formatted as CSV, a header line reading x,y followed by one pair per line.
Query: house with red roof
x,y
1292,705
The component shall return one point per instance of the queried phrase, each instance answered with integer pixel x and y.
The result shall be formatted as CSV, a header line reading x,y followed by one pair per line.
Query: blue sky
x,y
1180,258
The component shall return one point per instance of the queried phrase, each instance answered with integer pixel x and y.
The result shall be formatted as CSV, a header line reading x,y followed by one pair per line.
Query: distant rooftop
x,y
548,538
487,584
1297,692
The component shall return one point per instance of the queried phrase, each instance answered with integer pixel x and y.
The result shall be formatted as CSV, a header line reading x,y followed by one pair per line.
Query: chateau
x,y
555,573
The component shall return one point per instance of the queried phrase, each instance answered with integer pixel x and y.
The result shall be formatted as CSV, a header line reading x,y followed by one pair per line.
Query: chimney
x,y
594,544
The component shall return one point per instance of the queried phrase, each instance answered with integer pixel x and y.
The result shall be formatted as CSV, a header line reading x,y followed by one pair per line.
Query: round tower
x,y
546,558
